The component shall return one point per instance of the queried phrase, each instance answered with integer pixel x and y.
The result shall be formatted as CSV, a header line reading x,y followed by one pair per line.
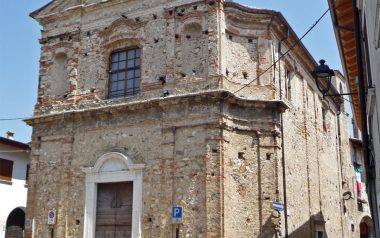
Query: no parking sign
x,y
51,217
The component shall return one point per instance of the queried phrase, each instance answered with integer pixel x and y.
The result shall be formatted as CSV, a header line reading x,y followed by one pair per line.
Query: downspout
x,y
283,141
369,166
340,154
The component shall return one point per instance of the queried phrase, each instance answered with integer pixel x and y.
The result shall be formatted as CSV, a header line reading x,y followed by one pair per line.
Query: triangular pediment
x,y
55,6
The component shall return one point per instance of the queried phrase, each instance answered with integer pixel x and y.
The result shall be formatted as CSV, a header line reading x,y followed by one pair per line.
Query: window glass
x,y
113,77
113,86
130,84
121,85
131,54
114,66
131,63
137,83
130,74
137,73
122,56
125,73
121,76
115,57
122,65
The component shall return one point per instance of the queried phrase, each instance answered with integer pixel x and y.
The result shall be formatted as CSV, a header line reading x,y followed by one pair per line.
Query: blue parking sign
x,y
177,215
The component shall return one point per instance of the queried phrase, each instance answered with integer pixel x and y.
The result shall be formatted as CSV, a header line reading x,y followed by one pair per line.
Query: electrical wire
x,y
282,55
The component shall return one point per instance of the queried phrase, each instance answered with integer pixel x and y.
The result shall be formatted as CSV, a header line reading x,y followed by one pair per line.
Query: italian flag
x,y
358,175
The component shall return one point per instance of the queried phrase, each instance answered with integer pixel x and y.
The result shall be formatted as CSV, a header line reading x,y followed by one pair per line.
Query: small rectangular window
x,y
319,234
6,169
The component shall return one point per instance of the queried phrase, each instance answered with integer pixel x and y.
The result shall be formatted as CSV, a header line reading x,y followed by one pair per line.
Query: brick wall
x,y
213,146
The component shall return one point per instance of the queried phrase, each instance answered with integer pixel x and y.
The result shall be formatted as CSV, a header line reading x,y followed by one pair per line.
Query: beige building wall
x,y
213,146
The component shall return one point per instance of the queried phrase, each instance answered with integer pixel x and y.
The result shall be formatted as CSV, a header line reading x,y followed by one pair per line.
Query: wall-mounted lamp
x,y
323,74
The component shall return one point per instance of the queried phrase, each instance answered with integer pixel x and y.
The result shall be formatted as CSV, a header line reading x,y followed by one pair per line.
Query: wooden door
x,y
114,210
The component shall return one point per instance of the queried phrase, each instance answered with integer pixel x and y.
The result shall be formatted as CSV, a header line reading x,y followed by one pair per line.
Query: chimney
x,y
10,135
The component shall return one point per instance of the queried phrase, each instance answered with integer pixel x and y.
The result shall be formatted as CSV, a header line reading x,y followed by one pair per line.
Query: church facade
x,y
148,105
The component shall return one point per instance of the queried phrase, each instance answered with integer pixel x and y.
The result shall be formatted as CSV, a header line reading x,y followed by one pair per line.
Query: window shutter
x,y
6,169
27,172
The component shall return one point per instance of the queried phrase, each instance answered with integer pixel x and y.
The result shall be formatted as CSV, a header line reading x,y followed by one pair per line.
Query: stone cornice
x,y
216,95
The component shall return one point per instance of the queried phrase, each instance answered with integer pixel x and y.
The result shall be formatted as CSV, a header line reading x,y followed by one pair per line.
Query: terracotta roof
x,y
14,143
342,13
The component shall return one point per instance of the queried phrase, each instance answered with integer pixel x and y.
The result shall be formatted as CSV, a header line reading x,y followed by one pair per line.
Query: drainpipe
x,y
369,165
283,141
340,152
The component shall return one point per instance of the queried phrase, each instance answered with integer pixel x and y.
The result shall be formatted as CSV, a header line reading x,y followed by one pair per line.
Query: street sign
x,y
278,206
177,215
51,217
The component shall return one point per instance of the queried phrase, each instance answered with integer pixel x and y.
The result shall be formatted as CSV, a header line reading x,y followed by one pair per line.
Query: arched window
x,y
124,73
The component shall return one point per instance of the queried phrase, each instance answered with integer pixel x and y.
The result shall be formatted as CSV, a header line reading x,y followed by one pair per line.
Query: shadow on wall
x,y
313,228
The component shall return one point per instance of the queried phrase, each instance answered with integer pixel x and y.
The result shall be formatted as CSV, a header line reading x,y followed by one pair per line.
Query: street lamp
x,y
323,74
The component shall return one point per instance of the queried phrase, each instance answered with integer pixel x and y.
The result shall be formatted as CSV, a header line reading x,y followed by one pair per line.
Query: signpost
x,y
177,219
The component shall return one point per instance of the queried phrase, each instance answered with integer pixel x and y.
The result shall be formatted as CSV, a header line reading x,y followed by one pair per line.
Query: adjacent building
x,y
148,105
14,164
357,29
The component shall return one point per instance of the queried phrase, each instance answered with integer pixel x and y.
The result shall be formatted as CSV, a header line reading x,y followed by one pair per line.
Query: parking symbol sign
x,y
177,215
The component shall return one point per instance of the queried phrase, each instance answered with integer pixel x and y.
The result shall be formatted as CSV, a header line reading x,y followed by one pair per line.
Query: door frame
x,y
109,168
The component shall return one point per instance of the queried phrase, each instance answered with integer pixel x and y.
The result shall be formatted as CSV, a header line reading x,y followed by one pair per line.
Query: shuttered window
x,y
6,169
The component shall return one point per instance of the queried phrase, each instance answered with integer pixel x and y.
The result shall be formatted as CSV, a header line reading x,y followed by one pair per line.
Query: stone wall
x,y
213,146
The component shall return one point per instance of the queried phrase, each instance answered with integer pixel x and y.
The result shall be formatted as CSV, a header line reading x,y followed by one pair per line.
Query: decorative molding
x,y
110,168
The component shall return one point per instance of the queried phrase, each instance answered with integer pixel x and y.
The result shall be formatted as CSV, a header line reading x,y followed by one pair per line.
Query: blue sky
x,y
20,50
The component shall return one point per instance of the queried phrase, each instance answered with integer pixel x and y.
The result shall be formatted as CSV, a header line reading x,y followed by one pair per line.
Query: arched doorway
x,y
366,227
15,224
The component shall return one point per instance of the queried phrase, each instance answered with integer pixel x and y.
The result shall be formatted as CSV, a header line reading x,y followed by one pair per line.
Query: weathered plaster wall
x,y
174,142
178,42
216,154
